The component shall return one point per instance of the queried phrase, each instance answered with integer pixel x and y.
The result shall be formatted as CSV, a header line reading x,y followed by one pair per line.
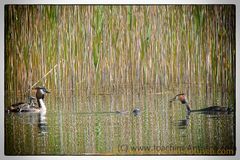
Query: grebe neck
x,y
41,105
188,107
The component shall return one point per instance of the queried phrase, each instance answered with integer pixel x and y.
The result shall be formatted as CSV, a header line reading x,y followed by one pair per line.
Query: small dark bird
x,y
136,111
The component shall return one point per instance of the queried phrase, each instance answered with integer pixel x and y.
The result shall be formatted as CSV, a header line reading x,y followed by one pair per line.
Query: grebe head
x,y
41,91
136,111
182,98
31,100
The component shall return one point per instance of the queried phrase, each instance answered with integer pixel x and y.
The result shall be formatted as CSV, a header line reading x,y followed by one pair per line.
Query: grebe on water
x,y
212,109
30,106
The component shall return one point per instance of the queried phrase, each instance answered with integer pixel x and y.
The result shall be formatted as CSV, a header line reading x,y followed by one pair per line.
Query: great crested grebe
x,y
212,109
30,106
22,106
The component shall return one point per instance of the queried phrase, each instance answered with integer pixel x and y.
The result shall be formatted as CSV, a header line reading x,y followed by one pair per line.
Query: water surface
x,y
86,125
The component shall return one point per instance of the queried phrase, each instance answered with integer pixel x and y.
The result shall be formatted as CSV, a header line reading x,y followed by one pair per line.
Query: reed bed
x,y
99,48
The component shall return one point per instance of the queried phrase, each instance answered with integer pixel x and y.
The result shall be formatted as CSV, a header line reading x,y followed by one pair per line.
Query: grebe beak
x,y
47,91
173,99
41,88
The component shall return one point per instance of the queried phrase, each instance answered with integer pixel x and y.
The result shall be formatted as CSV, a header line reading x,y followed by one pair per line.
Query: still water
x,y
89,125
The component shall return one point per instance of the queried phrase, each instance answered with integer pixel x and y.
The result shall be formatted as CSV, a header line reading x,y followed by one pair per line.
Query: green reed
x,y
105,48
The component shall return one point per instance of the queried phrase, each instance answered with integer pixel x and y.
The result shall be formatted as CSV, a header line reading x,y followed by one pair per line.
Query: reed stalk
x,y
111,48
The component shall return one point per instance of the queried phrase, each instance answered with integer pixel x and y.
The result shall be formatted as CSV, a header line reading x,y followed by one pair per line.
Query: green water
x,y
86,125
